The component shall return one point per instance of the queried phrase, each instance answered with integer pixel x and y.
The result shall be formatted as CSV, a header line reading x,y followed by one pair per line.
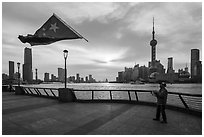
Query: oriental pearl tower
x,y
153,44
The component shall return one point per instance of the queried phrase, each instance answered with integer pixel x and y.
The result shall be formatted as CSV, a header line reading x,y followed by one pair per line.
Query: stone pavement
x,y
28,115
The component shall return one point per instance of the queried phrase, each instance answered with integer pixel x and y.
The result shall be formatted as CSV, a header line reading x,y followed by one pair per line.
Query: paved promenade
x,y
30,115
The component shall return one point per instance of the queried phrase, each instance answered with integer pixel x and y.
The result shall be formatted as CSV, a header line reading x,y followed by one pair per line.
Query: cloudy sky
x,y
118,34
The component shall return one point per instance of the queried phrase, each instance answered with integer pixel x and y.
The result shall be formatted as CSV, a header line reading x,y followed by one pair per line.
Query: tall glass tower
x,y
11,69
27,66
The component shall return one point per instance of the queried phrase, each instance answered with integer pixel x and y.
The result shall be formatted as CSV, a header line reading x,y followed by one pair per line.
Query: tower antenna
x,y
153,30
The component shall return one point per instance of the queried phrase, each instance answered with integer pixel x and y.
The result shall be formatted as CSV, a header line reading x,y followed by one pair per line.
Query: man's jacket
x,y
162,96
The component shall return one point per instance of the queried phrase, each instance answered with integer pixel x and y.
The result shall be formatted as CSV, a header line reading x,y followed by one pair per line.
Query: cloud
x,y
119,34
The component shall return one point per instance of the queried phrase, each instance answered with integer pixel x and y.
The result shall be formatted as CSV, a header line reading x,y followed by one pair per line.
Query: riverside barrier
x,y
187,102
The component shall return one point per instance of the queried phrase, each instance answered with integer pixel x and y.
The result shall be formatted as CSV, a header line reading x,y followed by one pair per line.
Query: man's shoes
x,y
156,119
164,122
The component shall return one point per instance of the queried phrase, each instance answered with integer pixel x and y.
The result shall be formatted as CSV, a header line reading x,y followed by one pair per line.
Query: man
x,y
161,102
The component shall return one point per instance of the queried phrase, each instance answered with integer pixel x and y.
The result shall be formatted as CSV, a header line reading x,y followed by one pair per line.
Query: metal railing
x,y
186,101
43,92
183,100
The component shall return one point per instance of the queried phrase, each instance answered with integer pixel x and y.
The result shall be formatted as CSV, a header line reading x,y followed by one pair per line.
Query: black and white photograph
x,y
101,68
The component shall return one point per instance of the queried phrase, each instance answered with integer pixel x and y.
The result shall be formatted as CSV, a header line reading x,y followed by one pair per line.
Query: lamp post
x,y
65,57
18,64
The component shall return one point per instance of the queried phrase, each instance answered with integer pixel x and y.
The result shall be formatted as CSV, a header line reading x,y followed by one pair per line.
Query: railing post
x,y
184,103
111,95
129,95
92,95
136,96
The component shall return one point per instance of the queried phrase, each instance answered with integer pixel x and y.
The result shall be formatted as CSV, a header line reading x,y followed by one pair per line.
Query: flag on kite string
x,y
53,30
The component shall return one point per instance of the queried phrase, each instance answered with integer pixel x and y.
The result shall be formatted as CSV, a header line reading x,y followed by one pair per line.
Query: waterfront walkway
x,y
31,115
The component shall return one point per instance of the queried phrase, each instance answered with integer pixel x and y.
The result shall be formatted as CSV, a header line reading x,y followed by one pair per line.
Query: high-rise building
x,y
90,78
143,73
46,77
170,66
53,77
82,80
61,74
27,66
120,77
194,62
196,66
77,78
135,73
11,70
86,78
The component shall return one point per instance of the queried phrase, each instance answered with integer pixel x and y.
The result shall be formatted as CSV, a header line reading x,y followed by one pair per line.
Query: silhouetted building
x,y
71,79
86,79
170,66
82,80
46,77
120,77
90,79
77,78
27,66
128,75
135,73
143,73
184,75
168,77
5,76
11,70
53,78
196,66
61,74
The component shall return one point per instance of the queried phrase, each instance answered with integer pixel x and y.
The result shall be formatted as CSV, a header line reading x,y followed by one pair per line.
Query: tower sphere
x,y
153,42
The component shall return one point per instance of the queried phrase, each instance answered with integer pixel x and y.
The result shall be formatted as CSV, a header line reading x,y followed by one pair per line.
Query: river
x,y
142,96
182,88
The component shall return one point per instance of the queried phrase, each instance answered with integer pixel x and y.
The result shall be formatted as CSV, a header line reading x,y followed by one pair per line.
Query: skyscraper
x,y
46,77
86,78
90,78
170,66
11,70
77,78
196,66
27,66
61,74
194,60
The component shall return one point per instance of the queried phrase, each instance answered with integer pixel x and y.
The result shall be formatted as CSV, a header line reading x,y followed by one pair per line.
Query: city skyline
x,y
118,34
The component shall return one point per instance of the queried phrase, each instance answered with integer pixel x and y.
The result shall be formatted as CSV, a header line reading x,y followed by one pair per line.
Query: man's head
x,y
163,84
